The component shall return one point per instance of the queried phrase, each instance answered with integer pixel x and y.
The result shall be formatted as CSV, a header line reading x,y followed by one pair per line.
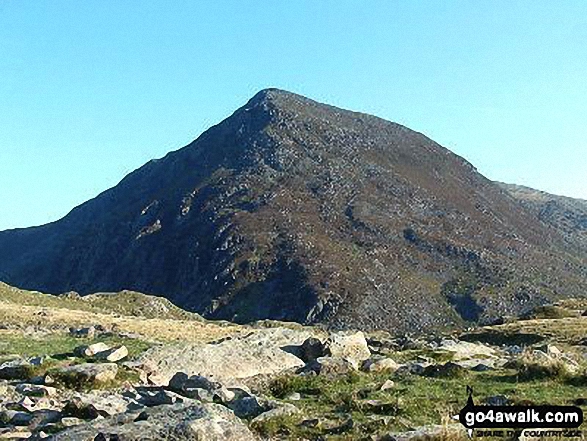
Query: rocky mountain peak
x,y
296,210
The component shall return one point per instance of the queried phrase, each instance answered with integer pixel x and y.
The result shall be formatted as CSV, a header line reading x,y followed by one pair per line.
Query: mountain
x,y
294,210
568,215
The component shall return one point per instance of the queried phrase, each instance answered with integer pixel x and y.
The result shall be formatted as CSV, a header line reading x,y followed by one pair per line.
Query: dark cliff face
x,y
294,210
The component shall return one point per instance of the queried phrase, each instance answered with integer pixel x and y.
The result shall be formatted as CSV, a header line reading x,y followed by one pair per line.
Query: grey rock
x,y
284,409
88,373
15,370
33,390
71,421
159,398
351,346
329,366
15,417
200,387
311,349
250,407
178,422
88,332
91,350
497,400
113,355
380,365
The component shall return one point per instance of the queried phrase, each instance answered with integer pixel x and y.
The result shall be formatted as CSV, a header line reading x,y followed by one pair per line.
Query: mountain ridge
x,y
295,210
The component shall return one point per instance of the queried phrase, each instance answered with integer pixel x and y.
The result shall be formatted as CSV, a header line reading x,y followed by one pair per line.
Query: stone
x,y
159,398
37,361
294,396
432,432
90,406
180,422
447,370
351,346
88,373
16,434
388,384
328,366
26,404
71,421
43,417
249,407
284,409
16,370
33,390
481,367
311,349
380,365
497,400
199,387
549,349
462,350
88,332
16,418
114,354
379,407
259,352
91,350
412,368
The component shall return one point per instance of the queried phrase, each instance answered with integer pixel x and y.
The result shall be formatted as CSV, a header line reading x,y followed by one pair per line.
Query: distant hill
x,y
568,215
294,210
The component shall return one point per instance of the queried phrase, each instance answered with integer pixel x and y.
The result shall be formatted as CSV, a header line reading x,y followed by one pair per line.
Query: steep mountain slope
x,y
568,215
294,210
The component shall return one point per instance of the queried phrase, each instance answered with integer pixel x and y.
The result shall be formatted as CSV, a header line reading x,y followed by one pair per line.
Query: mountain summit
x,y
294,210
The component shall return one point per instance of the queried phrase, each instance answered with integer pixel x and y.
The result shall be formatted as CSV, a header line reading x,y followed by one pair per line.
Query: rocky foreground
x,y
71,370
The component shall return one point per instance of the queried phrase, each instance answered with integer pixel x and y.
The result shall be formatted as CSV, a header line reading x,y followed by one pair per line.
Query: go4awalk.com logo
x,y
507,421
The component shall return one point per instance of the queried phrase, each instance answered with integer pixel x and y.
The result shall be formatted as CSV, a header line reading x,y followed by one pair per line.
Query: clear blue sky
x,y
90,90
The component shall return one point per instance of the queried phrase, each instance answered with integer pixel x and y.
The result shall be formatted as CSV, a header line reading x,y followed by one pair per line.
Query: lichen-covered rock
x,y
86,374
178,422
351,346
380,365
91,350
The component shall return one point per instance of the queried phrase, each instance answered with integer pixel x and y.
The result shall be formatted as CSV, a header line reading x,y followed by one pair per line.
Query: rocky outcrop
x,y
231,360
203,422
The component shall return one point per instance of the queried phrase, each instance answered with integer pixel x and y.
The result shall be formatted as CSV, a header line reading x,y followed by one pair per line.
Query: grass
x,y
413,402
12,343
154,318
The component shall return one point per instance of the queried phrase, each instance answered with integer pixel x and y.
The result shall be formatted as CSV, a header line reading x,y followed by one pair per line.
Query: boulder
x,y
311,349
260,352
32,390
89,332
447,370
388,384
87,374
199,387
16,370
71,421
250,407
328,366
462,350
159,398
351,346
15,417
91,350
113,355
180,422
497,400
380,365
284,409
